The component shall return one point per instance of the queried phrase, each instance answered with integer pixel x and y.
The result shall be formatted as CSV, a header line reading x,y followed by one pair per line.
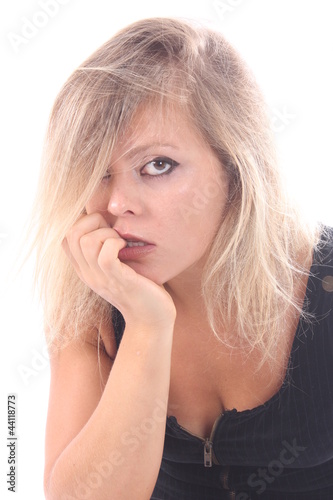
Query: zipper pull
x,y
208,451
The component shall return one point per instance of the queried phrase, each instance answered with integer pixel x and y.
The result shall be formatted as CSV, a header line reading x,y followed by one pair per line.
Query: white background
x,y
288,44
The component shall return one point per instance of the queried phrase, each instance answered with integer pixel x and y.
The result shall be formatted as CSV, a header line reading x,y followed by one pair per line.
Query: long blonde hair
x,y
250,276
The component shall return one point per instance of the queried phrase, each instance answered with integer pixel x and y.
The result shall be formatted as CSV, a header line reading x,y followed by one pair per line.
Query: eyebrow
x,y
145,147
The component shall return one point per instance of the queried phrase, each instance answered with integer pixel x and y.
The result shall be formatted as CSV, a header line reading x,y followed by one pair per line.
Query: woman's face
x,y
164,186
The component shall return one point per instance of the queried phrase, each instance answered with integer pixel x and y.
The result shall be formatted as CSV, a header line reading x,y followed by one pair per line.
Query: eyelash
x,y
162,159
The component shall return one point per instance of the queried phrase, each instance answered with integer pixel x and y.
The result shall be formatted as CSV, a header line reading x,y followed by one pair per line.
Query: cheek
x,y
98,202
199,208
213,199
189,223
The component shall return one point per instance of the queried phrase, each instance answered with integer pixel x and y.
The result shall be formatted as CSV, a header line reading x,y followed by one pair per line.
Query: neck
x,y
185,291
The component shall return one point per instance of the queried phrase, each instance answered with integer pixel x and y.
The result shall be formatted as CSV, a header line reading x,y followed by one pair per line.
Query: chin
x,y
153,275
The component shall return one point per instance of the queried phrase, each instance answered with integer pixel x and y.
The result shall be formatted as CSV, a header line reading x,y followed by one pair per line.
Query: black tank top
x,y
281,450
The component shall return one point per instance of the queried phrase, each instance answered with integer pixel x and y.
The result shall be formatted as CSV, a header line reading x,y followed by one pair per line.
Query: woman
x,y
188,307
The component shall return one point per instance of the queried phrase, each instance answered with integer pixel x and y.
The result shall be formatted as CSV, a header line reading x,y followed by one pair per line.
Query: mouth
x,y
133,240
135,250
131,244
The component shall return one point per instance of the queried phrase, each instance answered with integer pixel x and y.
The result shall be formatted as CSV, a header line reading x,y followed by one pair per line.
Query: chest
x,y
208,378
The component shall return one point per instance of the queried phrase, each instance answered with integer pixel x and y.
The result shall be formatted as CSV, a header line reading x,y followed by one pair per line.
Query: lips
x,y
133,240
137,247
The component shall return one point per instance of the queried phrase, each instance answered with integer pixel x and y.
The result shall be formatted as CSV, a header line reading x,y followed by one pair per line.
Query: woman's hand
x,y
93,247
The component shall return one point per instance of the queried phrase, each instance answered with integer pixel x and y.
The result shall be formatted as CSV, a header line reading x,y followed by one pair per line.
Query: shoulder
x,y
101,339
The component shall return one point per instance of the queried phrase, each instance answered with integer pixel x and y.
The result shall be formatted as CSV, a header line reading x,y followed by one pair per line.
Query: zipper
x,y
208,452
208,446
209,456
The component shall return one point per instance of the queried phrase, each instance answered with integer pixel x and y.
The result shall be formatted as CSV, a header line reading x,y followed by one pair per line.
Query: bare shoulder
x,y
101,337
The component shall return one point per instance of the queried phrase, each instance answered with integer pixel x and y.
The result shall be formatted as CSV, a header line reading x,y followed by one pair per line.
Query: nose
x,y
125,198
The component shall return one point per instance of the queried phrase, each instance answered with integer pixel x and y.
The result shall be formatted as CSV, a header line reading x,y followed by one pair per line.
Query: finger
x,y
108,259
84,225
119,279
92,244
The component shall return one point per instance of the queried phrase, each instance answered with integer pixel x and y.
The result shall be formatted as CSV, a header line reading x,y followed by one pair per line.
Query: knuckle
x,y
96,219
86,240
104,260
72,234
108,254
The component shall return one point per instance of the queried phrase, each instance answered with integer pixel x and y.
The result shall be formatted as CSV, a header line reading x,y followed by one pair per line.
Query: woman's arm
x,y
107,444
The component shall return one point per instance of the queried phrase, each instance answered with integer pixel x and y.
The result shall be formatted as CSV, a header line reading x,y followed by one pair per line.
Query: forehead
x,y
159,125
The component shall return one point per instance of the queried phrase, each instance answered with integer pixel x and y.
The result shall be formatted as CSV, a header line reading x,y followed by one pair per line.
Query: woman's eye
x,y
159,166
106,177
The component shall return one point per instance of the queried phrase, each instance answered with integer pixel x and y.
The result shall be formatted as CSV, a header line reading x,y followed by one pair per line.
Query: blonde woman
x,y
188,307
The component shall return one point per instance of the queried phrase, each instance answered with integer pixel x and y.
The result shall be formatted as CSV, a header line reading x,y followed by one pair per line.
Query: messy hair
x,y
253,266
